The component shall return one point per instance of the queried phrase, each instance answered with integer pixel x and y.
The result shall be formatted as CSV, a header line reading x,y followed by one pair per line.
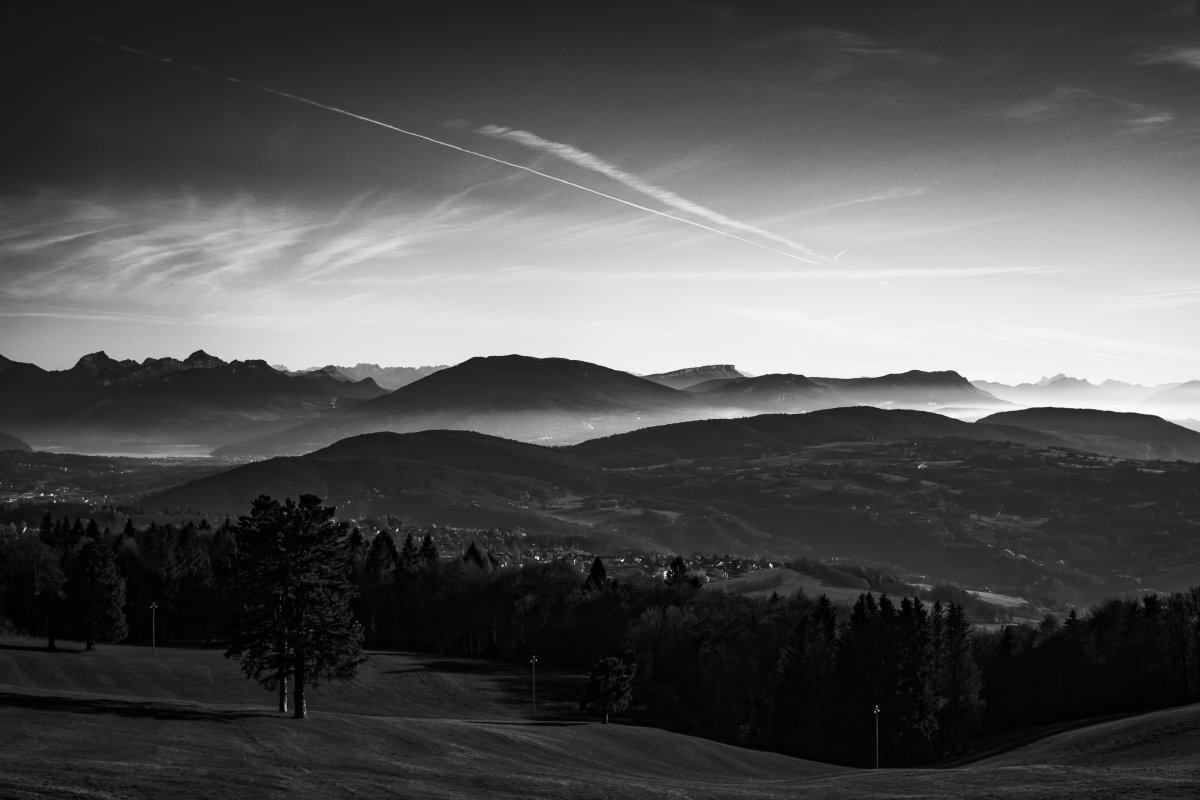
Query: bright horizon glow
x,y
838,196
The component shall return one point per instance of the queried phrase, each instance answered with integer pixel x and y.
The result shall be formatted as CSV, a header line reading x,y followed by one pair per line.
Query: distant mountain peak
x,y
95,363
1062,379
691,376
202,360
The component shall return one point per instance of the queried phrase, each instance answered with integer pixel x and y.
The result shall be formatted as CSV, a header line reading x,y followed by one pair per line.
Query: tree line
x,y
797,675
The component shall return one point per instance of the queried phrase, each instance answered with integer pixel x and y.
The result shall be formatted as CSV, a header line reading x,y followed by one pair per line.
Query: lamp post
x,y
876,737
533,681
153,642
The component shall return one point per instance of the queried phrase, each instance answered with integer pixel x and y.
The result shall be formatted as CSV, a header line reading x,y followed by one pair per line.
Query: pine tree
x,y
428,552
382,559
295,621
472,557
960,680
598,576
408,554
914,706
96,593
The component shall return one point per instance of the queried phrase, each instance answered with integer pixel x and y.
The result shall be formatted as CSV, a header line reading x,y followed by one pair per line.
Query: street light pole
x,y
876,737
153,642
533,679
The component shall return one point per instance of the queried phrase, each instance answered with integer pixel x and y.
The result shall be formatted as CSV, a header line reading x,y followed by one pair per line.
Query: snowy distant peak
x,y
390,378
1062,381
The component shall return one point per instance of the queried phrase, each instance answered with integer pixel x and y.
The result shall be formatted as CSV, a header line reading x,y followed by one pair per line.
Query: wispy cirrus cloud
x,y
1066,101
1102,349
107,256
840,52
1162,296
1185,56
690,275
593,163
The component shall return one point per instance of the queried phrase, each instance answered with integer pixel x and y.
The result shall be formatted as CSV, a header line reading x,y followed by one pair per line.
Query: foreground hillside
x,y
126,722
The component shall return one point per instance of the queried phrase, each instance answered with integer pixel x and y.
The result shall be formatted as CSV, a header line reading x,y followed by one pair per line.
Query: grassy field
x,y
125,722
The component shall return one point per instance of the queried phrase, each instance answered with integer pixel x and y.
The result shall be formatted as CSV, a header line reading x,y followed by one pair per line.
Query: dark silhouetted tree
x,y
610,686
295,618
474,558
96,594
408,554
33,586
598,577
428,552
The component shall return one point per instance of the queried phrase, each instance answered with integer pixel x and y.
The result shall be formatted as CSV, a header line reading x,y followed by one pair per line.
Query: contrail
x,y
448,145
580,158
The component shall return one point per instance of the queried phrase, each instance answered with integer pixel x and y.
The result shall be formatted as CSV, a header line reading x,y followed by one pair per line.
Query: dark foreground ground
x,y
128,722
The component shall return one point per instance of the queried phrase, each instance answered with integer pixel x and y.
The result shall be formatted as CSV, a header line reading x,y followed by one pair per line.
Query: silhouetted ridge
x,y
770,433
202,360
1117,433
775,392
688,377
464,450
521,382
8,442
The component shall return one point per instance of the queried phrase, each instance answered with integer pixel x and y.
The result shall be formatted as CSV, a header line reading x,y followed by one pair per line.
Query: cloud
x,y
1060,102
1069,100
840,53
1113,352
587,161
1163,296
897,193
735,276
110,255
1186,56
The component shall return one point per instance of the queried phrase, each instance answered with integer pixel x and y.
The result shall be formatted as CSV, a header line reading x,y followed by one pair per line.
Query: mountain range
x,y
1064,390
554,400
389,378
101,403
247,409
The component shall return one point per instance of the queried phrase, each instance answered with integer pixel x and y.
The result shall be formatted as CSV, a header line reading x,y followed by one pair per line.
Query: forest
x,y
797,675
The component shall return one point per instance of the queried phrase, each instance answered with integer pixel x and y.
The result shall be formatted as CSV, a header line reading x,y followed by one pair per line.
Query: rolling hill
x,y
776,433
1111,433
423,475
912,389
777,393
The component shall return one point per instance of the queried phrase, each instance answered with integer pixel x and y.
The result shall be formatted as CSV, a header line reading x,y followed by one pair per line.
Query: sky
x,y
1005,188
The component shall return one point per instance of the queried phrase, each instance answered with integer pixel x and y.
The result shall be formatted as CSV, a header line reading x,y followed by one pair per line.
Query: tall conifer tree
x,y
295,621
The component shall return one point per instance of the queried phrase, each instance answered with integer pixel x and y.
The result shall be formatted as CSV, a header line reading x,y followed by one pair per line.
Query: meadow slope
x,y
126,722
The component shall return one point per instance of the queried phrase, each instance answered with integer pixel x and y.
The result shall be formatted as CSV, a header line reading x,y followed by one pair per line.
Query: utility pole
x,y
876,737
153,642
533,679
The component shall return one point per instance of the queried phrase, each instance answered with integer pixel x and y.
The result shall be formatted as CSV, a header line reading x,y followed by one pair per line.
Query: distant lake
x,y
131,450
